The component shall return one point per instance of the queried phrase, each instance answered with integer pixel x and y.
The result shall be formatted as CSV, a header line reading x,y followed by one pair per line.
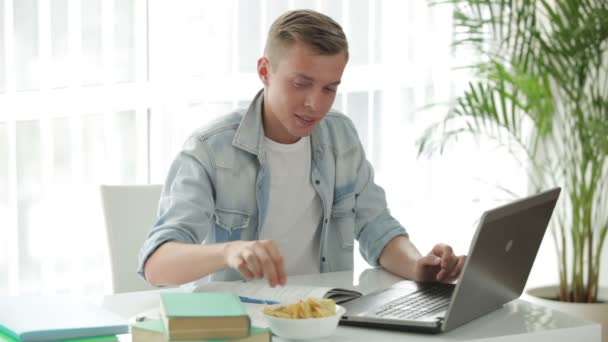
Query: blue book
x,y
51,318
109,338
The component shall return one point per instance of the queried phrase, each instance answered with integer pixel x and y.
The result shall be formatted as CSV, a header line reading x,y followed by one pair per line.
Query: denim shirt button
x,y
322,259
317,182
326,220
353,210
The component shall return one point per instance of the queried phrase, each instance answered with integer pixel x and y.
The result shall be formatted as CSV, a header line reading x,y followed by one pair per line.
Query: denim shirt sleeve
x,y
187,201
374,225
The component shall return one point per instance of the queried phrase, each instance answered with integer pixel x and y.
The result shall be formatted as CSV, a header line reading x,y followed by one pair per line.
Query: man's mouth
x,y
305,121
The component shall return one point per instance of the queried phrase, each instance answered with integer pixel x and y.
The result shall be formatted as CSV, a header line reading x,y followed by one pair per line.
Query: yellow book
x,y
154,331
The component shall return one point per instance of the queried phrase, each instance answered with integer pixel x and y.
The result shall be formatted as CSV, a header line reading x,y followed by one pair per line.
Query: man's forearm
x,y
175,263
399,257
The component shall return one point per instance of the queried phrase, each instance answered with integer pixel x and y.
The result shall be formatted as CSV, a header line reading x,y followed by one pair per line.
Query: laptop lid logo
x,y
508,246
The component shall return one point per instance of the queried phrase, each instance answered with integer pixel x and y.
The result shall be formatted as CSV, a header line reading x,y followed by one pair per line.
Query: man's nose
x,y
313,100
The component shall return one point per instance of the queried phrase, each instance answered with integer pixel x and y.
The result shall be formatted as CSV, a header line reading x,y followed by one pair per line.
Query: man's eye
x,y
299,85
330,90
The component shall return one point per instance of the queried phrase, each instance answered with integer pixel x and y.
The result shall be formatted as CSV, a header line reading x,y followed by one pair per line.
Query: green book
x,y
203,315
154,331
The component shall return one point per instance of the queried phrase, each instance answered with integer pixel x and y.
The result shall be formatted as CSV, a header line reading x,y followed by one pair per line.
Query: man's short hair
x,y
318,31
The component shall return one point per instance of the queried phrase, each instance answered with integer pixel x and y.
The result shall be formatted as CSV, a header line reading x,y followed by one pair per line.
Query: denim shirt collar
x,y
250,134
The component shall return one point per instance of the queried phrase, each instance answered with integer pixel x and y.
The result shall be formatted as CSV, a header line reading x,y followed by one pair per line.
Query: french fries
x,y
309,308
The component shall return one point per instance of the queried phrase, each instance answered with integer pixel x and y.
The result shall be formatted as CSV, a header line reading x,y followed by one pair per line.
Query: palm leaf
x,y
544,65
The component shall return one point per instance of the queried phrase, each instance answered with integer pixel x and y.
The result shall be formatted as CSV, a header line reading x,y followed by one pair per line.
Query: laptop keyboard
x,y
417,304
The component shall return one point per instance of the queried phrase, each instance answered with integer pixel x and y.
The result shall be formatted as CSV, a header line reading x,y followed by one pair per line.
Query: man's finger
x,y
458,268
439,249
448,263
455,273
253,264
267,263
280,267
448,259
430,260
441,275
278,262
244,269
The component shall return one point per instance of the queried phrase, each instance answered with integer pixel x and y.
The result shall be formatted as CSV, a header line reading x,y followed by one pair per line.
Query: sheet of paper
x,y
283,294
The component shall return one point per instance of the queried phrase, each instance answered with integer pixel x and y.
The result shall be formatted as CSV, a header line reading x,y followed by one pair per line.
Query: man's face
x,y
299,91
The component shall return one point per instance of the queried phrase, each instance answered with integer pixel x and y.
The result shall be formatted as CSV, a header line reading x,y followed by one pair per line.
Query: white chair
x,y
129,212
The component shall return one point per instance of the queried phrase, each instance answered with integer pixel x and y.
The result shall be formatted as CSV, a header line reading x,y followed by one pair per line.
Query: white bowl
x,y
304,328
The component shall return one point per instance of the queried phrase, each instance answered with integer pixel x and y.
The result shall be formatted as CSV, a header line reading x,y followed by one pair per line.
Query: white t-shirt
x,y
294,207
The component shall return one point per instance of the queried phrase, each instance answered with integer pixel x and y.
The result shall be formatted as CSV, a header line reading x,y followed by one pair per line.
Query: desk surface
x,y
516,321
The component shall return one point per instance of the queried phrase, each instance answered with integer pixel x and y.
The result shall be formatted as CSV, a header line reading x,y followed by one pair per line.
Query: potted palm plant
x,y
541,90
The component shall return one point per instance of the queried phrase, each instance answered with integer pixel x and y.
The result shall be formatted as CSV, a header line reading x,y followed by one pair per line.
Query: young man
x,y
283,187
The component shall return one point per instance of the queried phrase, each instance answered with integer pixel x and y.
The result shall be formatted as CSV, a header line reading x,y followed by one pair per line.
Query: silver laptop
x,y
495,272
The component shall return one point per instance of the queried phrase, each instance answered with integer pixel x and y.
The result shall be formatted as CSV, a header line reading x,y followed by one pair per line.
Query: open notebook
x,y
285,294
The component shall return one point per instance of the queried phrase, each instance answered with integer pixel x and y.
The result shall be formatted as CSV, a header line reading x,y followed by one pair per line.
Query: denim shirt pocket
x,y
343,219
231,220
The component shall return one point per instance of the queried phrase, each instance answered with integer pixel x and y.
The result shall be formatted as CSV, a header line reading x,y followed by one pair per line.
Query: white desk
x,y
516,321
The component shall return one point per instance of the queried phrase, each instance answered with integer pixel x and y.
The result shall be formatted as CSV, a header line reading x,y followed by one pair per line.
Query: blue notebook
x,y
48,318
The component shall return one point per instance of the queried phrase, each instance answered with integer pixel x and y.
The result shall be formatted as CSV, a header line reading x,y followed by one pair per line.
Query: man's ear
x,y
263,69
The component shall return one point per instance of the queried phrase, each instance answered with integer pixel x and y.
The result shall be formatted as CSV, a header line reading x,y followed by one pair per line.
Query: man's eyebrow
x,y
308,78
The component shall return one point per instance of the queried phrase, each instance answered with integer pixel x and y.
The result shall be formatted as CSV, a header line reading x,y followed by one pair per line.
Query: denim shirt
x,y
217,191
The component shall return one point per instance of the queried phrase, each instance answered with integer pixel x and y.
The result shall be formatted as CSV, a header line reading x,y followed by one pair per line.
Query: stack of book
x,y
199,317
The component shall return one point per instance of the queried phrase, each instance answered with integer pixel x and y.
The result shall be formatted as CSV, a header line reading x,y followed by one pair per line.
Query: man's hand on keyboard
x,y
439,265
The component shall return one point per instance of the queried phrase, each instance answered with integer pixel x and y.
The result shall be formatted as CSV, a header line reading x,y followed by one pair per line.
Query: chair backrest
x,y
129,212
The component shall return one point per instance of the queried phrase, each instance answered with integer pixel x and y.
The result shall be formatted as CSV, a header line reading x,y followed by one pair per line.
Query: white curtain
x,y
97,91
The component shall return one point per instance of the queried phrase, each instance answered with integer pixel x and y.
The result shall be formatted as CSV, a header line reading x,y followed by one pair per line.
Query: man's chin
x,y
302,133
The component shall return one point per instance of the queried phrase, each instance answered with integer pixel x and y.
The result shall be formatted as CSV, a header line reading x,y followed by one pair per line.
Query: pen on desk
x,y
257,301
140,318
